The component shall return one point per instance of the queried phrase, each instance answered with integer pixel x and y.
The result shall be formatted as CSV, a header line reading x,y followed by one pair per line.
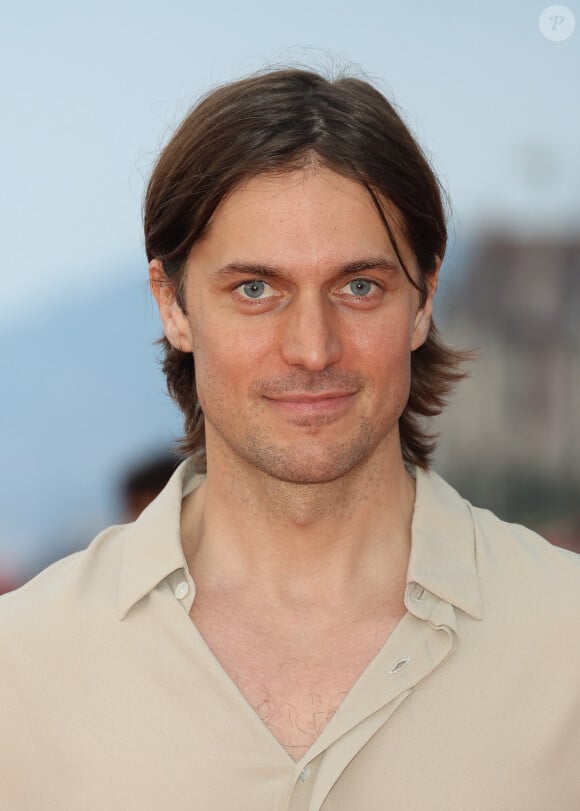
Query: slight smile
x,y
312,405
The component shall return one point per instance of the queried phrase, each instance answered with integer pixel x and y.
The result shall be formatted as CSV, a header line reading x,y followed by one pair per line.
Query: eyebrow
x,y
272,272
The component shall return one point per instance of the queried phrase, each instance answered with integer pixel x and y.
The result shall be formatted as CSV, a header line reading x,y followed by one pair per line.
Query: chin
x,y
308,465
307,475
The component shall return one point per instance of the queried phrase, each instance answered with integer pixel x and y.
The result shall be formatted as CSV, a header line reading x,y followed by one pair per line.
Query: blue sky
x,y
92,90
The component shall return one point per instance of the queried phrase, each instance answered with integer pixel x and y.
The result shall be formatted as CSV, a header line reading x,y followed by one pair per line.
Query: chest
x,y
294,676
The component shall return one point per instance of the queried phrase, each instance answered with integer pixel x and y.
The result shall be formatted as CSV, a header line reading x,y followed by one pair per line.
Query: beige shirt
x,y
110,699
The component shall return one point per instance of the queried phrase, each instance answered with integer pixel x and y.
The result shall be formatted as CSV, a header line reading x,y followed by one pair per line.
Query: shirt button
x,y
304,774
181,589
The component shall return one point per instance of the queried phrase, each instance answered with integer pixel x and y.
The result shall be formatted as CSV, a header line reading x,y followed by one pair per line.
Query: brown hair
x,y
278,121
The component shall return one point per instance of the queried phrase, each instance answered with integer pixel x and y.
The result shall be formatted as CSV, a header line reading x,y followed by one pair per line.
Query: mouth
x,y
332,403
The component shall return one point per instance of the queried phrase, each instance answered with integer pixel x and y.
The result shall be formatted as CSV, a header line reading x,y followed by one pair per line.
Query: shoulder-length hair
x,y
279,121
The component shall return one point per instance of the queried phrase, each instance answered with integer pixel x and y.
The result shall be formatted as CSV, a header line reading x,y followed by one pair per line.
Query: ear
x,y
423,318
173,319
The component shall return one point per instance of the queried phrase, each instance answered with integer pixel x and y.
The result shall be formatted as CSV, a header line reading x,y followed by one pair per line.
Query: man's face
x,y
302,324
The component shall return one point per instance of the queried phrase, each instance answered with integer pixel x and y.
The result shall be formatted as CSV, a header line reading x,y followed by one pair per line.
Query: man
x,y
307,617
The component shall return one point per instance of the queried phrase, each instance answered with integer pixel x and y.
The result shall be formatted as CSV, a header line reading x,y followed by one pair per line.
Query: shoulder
x,y
498,544
55,602
88,592
530,588
518,549
518,574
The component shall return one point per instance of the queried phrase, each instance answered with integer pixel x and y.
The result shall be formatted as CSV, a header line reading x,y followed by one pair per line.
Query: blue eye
x,y
254,289
360,287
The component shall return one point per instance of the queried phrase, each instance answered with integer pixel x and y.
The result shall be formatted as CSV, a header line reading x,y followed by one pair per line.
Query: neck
x,y
299,544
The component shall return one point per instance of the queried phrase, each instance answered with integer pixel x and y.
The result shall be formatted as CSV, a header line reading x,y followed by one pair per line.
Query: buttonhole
x,y
400,665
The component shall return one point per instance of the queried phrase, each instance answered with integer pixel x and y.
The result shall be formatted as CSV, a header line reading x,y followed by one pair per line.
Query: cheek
x,y
384,344
227,355
383,355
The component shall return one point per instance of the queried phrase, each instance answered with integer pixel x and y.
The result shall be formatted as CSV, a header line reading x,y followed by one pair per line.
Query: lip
x,y
294,397
312,405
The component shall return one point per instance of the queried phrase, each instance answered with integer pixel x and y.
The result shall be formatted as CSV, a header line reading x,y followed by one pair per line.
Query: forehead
x,y
314,215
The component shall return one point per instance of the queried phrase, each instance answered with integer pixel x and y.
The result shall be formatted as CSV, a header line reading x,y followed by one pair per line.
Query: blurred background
x,y
91,92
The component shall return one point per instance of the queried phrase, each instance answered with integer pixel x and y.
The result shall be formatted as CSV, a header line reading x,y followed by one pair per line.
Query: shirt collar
x,y
442,556
152,547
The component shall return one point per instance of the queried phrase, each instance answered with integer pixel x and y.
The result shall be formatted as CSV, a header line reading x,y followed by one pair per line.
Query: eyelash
x,y
258,301
376,286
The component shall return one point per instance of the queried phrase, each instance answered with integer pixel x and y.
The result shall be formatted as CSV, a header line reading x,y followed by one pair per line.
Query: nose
x,y
311,333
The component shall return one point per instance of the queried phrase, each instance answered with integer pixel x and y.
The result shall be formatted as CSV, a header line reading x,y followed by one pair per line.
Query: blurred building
x,y
511,437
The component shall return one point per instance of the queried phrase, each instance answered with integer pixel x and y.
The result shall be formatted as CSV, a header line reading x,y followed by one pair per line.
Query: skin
x,y
302,376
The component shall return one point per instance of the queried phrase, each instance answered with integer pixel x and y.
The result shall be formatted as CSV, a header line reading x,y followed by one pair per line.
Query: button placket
x,y
392,684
